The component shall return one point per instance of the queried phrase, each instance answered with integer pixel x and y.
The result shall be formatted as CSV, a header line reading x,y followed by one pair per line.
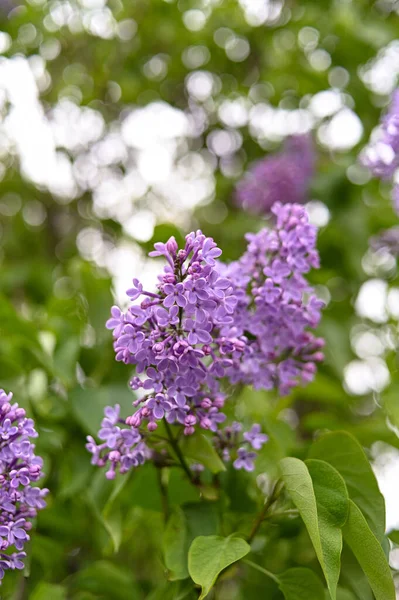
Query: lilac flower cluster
x,y
247,322
173,339
387,240
20,469
283,177
276,305
228,441
121,448
381,156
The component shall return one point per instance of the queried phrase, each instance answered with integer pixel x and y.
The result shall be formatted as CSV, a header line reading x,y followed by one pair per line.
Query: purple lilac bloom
x,y
122,447
282,177
387,241
20,469
245,459
381,155
255,437
276,305
247,321
173,339
231,441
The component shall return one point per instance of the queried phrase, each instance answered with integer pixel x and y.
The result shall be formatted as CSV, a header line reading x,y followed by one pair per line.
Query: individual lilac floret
x,y
255,437
381,155
282,177
173,339
276,305
245,459
20,469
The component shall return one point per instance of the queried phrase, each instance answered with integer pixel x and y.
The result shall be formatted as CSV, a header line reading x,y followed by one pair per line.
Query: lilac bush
x,y
20,469
282,177
207,322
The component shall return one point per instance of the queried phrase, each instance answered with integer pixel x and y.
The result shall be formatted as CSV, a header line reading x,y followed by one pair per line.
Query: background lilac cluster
x,y
20,469
281,177
246,322
276,305
381,155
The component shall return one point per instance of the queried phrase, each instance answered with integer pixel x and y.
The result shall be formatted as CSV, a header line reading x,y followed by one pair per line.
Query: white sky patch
x,y
258,12
29,131
318,212
325,103
386,468
272,123
380,74
342,132
371,301
154,124
364,376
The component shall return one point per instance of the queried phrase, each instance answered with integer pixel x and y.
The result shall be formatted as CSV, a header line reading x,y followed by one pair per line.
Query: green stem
x,y
164,493
178,452
261,569
262,515
282,513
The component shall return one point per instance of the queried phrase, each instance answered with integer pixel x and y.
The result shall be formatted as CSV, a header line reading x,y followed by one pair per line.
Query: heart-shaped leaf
x,y
209,555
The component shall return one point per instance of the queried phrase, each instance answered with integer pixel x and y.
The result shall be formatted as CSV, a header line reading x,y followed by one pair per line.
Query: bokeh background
x,y
125,122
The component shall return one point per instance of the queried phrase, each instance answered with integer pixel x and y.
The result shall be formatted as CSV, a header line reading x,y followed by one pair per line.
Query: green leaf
x,y
88,404
178,590
332,508
47,591
101,497
202,519
106,580
323,516
394,536
331,493
174,545
237,486
180,489
353,577
185,524
199,448
369,553
209,555
301,584
386,546
144,488
391,404
346,455
343,594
